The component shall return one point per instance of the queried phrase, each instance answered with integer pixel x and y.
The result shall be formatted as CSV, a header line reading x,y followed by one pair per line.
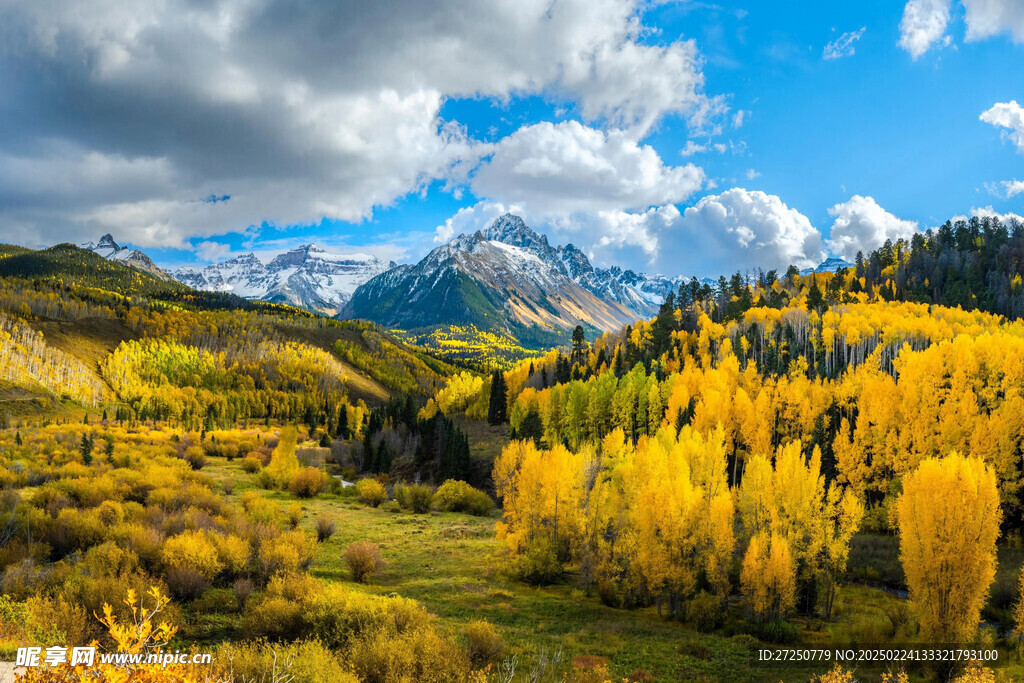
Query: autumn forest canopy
x,y
774,459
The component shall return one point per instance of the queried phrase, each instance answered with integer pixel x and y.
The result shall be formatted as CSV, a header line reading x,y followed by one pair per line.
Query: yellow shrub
x,y
194,550
458,496
484,645
310,662
421,655
371,492
308,482
363,558
286,553
233,553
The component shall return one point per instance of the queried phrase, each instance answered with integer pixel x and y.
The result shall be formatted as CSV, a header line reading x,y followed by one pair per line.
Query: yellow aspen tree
x,y
768,577
948,518
841,519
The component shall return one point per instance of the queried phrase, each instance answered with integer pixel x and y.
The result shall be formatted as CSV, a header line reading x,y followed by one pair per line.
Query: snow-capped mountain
x,y
309,277
109,249
508,277
829,265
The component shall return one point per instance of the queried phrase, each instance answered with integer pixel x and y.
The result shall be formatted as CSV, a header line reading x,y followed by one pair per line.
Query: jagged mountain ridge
x,y
308,277
111,250
509,278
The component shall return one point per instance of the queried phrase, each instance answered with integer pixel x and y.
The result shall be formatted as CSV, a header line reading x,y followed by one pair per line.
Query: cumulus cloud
x,y
298,111
924,24
1009,116
565,168
843,46
211,251
1012,188
986,18
989,212
736,230
862,225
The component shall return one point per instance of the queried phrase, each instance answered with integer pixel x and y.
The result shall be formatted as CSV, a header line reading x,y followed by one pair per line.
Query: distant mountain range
x,y
309,277
508,278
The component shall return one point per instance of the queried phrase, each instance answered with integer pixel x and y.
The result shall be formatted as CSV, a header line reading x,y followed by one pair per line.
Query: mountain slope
x,y
66,264
111,250
306,277
507,278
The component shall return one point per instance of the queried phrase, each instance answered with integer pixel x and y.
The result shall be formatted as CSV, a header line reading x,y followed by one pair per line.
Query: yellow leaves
x,y
768,576
461,390
193,550
948,522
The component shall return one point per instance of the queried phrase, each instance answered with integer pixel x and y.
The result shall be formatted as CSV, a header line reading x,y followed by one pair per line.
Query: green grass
x,y
451,563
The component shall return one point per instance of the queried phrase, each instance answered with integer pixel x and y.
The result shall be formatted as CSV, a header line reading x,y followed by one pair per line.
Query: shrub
x,y
243,589
55,620
538,565
229,486
308,482
325,527
421,655
192,549
110,512
252,463
109,559
195,456
306,662
363,558
705,612
294,514
371,492
778,632
286,553
484,645
185,583
273,619
458,496
415,497
233,552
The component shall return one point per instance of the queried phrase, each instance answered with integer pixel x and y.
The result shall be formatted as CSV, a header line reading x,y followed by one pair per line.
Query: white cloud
x,y
739,117
297,115
923,25
737,230
692,148
212,251
1008,115
925,21
987,18
469,219
843,46
862,225
565,168
1012,188
751,174
989,212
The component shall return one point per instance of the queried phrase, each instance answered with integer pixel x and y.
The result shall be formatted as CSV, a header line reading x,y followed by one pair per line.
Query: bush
x,y
308,482
252,463
273,619
778,632
242,589
484,645
363,558
371,492
310,662
195,456
185,583
415,497
539,565
705,612
294,514
422,655
458,496
233,552
194,550
55,620
286,553
325,527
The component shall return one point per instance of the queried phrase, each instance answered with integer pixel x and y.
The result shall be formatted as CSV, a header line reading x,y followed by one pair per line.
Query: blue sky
x,y
679,137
